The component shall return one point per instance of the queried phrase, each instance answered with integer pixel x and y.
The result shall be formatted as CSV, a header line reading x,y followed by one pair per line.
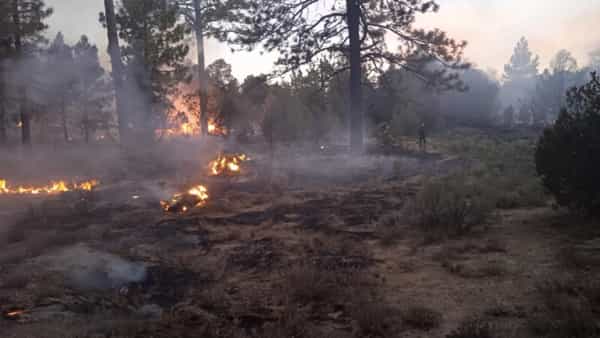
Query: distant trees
x,y
354,31
23,23
549,97
476,107
566,153
520,73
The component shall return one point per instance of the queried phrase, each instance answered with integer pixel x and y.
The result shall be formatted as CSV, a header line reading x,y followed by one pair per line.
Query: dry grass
x,y
472,328
373,318
389,228
485,269
571,305
422,318
15,280
307,283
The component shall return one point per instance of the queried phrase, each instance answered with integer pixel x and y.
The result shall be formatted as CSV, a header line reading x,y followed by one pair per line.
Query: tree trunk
x,y
26,126
86,128
117,69
25,119
201,69
63,117
3,137
356,99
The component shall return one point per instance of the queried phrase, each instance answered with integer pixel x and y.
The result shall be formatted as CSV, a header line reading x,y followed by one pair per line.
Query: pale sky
x,y
492,28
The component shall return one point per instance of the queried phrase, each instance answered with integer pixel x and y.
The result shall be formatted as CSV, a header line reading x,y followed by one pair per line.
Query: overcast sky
x,y
492,27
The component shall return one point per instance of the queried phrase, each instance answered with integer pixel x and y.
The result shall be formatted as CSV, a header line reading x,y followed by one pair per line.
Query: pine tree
x,y
90,89
523,64
59,64
154,52
354,30
108,18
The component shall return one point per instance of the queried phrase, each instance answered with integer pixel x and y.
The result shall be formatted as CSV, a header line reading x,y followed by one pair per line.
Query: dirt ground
x,y
302,252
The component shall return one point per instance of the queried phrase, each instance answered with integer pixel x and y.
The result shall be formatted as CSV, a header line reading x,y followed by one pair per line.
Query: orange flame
x,y
52,188
195,197
14,313
226,164
214,128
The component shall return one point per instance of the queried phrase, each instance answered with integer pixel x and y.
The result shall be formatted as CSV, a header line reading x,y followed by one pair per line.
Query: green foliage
x,y
503,164
300,37
286,119
155,49
566,153
523,65
450,206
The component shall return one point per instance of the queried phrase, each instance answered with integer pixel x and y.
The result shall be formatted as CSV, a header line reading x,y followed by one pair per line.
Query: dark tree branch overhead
x,y
359,31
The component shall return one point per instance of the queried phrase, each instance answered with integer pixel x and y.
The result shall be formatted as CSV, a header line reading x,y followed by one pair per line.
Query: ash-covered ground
x,y
299,244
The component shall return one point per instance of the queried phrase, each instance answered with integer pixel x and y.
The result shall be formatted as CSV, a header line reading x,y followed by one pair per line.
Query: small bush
x,y
422,318
472,328
450,207
566,153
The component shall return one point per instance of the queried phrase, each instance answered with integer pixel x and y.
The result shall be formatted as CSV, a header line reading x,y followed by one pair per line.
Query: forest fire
x,y
14,314
52,188
227,164
215,129
182,202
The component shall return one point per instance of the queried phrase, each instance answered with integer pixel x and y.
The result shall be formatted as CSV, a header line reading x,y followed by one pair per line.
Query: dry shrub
x,y
570,307
450,207
422,318
472,328
389,228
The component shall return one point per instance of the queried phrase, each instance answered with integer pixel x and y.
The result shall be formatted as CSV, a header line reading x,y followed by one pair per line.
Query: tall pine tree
x,y
154,53
357,31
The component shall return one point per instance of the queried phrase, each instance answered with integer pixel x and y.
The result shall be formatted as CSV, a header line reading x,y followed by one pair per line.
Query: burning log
x,y
183,202
227,165
53,188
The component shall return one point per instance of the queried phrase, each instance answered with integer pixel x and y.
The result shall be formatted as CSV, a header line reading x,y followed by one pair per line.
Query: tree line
x,y
345,70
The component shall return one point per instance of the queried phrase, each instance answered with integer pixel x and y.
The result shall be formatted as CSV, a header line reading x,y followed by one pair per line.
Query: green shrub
x,y
450,207
566,155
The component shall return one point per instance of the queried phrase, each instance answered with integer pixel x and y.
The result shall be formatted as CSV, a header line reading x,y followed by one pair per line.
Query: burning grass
x,y
52,188
225,165
182,202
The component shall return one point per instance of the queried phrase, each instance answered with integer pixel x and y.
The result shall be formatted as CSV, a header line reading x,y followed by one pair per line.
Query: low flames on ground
x,y
227,164
14,314
182,202
52,188
195,197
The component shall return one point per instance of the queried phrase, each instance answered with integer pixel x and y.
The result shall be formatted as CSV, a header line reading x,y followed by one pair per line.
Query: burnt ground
x,y
301,253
